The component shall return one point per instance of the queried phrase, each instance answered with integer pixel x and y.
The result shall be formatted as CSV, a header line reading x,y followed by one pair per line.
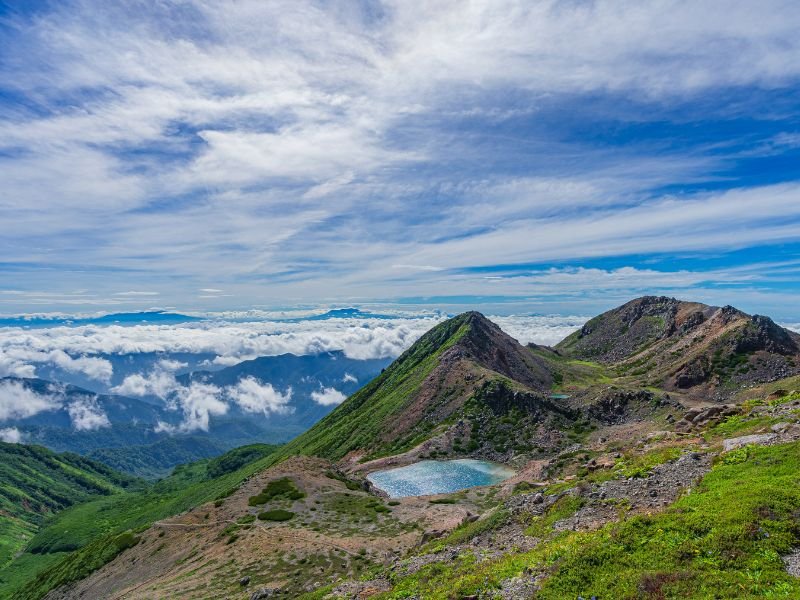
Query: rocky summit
x,y
686,346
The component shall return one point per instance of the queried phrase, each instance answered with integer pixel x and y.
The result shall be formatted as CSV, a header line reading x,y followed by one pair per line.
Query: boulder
x,y
759,439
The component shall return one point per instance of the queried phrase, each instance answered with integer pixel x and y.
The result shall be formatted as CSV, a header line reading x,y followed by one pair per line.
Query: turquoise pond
x,y
438,477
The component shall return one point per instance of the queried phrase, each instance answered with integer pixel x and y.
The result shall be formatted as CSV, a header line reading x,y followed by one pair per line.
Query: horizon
x,y
498,307
554,159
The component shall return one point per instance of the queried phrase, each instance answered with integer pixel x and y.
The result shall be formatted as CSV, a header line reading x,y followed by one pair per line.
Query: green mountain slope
x,y
91,531
36,483
425,387
153,461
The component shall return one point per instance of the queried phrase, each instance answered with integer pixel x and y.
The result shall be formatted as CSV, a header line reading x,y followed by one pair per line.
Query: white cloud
x,y
328,397
19,402
93,367
231,342
253,396
12,367
19,355
171,365
86,415
298,130
199,402
10,435
158,383
542,330
349,378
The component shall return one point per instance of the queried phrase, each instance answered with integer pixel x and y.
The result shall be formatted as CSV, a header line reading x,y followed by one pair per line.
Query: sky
x,y
552,157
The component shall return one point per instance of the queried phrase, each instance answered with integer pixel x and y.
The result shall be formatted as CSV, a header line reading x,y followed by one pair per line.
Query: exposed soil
x,y
333,534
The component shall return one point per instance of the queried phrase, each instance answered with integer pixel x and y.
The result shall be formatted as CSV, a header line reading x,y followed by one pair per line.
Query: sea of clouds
x,y
230,338
77,349
83,349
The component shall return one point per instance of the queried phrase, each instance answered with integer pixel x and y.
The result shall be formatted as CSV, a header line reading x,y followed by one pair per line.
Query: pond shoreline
x,y
434,477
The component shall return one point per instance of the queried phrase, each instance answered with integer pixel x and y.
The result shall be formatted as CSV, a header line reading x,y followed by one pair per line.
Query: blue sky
x,y
556,157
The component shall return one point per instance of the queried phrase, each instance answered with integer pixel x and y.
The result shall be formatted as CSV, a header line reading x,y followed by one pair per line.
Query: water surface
x,y
438,477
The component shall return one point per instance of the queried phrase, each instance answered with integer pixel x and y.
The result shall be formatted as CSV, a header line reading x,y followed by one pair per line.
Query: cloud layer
x,y
328,397
230,342
234,153
18,401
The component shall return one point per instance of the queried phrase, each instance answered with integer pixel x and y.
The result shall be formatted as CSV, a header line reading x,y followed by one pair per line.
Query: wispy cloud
x,y
86,415
17,401
299,152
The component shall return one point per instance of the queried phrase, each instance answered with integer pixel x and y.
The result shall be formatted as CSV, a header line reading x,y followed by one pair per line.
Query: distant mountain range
x,y
134,318
132,423
159,317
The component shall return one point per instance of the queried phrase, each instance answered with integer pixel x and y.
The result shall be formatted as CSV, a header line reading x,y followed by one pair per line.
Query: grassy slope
x,y
154,461
571,373
36,482
724,540
84,537
362,418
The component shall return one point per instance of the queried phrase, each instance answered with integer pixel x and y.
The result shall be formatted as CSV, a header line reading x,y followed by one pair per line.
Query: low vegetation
x,y
723,540
277,514
36,483
278,489
154,461
80,539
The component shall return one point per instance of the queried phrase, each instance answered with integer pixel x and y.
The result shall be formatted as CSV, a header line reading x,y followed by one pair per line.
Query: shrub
x,y
275,515
278,488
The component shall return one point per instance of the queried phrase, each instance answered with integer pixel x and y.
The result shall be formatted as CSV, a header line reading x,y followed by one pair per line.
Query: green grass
x,y
36,483
78,565
469,530
277,514
738,425
237,458
563,508
278,489
724,540
83,537
640,465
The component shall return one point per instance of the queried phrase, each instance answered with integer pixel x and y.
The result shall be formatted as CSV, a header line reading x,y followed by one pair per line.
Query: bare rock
x,y
792,562
759,439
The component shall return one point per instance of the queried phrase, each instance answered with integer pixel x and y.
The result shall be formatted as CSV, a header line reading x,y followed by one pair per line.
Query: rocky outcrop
x,y
501,398
614,406
697,418
662,487
693,373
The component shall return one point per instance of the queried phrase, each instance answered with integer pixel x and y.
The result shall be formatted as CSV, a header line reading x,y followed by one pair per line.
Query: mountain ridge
x,y
687,346
428,383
